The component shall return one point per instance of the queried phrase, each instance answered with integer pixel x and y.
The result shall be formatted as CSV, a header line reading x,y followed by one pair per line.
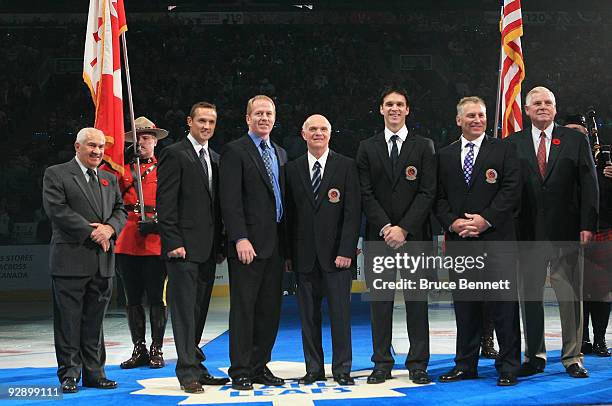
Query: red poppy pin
x,y
556,141
104,182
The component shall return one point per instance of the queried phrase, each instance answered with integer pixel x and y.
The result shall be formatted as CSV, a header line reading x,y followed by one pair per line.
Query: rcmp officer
x,y
138,251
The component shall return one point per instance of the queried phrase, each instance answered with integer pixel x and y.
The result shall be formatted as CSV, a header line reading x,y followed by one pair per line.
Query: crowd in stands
x,y
333,69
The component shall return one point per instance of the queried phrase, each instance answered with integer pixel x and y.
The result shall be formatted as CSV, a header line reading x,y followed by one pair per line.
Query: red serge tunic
x,y
130,240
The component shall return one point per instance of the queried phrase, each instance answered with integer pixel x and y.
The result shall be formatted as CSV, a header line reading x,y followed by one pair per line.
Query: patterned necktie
x,y
204,164
265,154
541,155
468,164
95,187
316,179
394,151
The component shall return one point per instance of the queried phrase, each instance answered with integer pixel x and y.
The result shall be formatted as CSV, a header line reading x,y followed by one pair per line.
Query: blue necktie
x,y
468,164
265,154
316,179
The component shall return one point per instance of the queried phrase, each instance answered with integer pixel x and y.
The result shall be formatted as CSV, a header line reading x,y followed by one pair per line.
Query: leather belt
x,y
136,208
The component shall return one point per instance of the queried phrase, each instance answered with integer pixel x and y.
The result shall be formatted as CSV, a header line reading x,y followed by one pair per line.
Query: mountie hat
x,y
576,119
145,126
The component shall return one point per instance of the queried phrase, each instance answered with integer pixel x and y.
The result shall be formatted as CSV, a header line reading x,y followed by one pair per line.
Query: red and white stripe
x,y
513,67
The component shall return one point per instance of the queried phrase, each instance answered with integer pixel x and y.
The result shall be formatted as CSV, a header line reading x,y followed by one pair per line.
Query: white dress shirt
x,y
535,135
402,134
197,147
84,169
465,149
322,162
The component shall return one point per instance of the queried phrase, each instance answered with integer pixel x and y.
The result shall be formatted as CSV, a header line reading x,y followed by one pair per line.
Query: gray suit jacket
x,y
69,203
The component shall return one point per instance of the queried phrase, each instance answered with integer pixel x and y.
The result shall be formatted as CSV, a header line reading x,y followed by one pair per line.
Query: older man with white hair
x,y
86,212
559,205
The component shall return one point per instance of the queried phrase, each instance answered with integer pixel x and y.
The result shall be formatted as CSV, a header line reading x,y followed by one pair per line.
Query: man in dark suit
x,y
190,228
252,173
478,193
86,213
397,174
324,214
559,205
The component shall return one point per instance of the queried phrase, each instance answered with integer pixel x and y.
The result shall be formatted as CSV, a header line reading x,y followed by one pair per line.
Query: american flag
x,y
102,73
513,67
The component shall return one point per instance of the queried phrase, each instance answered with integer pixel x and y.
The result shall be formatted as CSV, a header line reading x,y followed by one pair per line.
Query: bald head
x,y
316,131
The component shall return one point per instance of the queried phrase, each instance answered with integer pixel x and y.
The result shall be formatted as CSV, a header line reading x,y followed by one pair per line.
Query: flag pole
x,y
499,82
137,181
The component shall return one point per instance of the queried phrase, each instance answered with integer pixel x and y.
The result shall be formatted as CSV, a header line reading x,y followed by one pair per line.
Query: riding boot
x,y
159,318
136,323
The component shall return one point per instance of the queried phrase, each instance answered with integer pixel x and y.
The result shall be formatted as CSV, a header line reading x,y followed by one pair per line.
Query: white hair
x,y
81,136
539,89
305,126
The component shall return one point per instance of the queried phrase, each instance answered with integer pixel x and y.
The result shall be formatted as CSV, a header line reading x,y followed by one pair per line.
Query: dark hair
x,y
201,105
394,89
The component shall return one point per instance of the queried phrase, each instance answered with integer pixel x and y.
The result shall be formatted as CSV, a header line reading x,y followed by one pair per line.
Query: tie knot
x,y
394,138
542,134
202,152
263,145
470,145
91,173
317,165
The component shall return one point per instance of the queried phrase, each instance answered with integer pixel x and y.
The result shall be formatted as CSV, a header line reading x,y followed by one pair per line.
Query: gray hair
x,y
539,89
81,136
469,99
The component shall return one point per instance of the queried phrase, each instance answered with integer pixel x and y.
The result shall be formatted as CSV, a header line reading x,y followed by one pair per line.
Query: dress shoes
x,y
265,377
69,385
419,376
311,378
600,348
528,369
210,380
587,347
379,376
455,375
192,387
576,371
344,380
506,379
101,383
242,383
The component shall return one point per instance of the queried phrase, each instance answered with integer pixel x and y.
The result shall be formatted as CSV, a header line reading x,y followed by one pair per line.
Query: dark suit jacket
x,y
328,227
187,210
566,201
247,199
494,197
394,198
71,207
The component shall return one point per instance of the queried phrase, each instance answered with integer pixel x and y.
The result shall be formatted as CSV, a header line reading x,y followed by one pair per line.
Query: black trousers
x,y
505,315
600,316
142,274
79,305
255,303
189,289
336,287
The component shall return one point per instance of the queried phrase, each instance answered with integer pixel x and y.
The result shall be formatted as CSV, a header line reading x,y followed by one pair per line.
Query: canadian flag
x,y
102,73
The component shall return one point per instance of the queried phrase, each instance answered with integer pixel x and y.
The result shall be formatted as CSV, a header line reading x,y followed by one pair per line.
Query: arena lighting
x,y
302,6
170,7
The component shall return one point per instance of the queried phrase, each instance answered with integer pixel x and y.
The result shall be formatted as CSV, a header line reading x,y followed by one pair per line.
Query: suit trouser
x,y
79,305
336,286
255,303
566,279
190,286
417,324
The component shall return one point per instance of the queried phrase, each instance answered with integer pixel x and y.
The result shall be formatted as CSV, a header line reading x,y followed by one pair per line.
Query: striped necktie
x,y
316,179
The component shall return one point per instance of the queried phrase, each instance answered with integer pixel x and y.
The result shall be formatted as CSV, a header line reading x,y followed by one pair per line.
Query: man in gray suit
x,y
86,213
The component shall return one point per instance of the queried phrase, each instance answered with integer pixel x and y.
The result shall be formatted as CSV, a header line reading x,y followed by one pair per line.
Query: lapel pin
x,y
104,182
556,141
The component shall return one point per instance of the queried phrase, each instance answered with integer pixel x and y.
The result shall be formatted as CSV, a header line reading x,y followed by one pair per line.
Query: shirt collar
x,y
257,140
322,160
402,134
477,142
535,132
196,144
83,167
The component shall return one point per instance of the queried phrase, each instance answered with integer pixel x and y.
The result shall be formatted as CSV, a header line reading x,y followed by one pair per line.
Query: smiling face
x,y
472,119
90,149
541,109
261,118
394,110
202,124
316,132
